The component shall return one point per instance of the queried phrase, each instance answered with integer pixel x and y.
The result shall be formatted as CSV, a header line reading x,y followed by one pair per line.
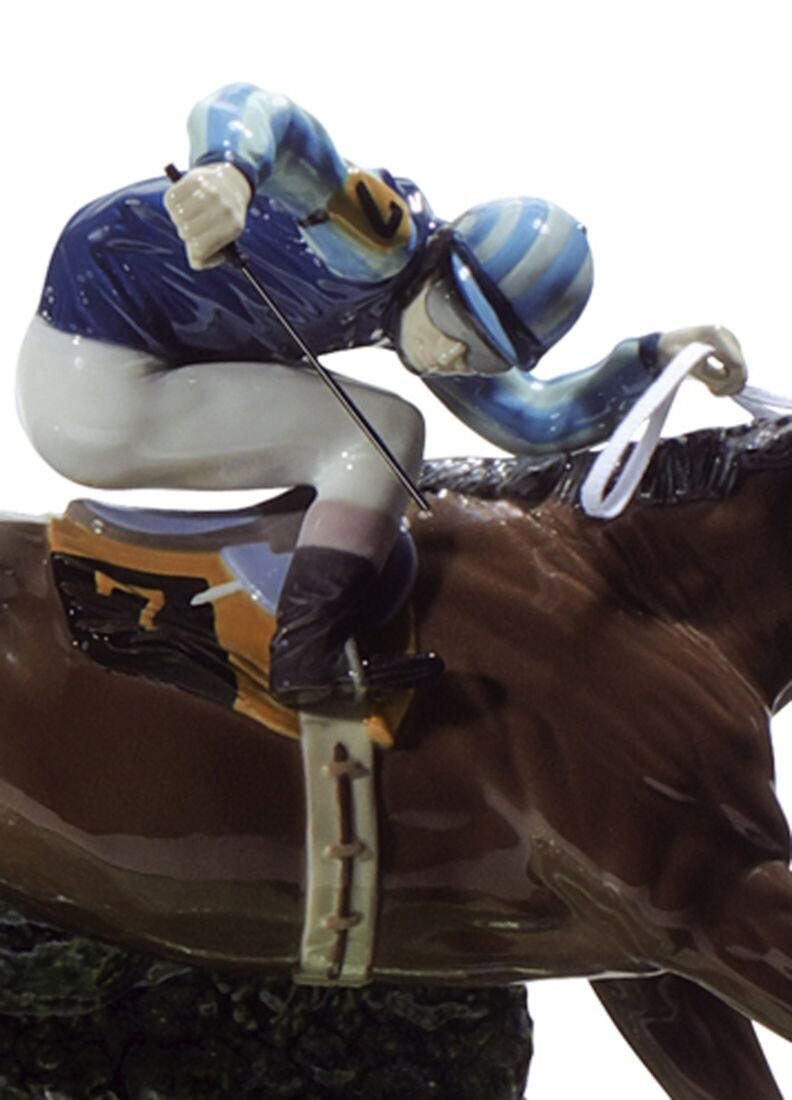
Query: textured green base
x,y
84,1021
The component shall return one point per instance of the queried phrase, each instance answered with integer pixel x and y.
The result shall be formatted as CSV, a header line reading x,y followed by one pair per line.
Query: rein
x,y
619,467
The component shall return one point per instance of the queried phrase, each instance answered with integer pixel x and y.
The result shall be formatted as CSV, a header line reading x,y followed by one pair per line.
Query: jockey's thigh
x,y
113,417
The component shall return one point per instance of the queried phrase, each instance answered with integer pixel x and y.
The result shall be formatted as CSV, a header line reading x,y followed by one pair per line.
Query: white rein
x,y
651,409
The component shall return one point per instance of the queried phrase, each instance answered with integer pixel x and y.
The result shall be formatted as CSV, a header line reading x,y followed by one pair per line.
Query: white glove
x,y
209,206
724,372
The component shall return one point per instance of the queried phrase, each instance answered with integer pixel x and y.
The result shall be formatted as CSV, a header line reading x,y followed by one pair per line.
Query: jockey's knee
x,y
402,426
350,469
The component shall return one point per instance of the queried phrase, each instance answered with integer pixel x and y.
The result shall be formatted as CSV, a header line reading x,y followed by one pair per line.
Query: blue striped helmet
x,y
523,267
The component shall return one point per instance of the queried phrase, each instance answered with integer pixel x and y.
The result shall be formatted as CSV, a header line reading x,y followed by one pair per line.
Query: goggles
x,y
449,311
459,307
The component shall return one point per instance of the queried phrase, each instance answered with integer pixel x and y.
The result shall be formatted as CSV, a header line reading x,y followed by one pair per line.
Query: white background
x,y
664,127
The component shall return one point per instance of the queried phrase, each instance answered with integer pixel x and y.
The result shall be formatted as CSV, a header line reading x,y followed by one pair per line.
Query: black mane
x,y
704,465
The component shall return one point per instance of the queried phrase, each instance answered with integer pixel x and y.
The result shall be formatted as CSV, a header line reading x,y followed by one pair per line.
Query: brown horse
x,y
587,791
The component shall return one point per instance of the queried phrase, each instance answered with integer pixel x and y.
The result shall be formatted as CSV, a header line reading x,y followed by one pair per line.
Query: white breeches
x,y
112,417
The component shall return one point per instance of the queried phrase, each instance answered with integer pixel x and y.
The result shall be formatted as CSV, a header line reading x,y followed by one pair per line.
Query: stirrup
x,y
361,678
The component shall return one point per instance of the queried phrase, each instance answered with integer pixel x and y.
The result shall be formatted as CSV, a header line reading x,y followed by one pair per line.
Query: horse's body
x,y
587,791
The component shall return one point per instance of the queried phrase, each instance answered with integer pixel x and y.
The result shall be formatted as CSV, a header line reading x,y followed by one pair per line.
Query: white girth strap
x,y
341,850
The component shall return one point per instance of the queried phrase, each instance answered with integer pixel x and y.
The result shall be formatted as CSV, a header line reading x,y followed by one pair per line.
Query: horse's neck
x,y
721,568
724,568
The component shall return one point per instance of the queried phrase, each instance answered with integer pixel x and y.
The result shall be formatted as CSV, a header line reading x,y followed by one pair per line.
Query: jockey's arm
x,y
280,148
246,141
526,415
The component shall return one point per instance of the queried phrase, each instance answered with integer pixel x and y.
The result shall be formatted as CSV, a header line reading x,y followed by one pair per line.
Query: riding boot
x,y
322,603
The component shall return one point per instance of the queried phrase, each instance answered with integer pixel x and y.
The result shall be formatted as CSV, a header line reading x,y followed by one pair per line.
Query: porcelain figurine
x,y
352,258
585,790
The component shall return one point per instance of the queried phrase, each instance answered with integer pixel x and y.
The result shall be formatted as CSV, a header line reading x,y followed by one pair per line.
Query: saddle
x,y
189,599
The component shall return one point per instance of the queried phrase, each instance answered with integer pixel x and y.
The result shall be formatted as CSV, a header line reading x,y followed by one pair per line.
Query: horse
x,y
586,791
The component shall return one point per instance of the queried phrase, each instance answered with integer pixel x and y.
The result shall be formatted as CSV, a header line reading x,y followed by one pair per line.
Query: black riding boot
x,y
321,606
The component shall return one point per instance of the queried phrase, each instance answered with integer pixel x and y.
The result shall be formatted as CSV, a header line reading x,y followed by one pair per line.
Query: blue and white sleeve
x,y
526,415
281,148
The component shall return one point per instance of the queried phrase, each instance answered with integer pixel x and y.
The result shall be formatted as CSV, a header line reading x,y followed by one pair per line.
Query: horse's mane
x,y
704,465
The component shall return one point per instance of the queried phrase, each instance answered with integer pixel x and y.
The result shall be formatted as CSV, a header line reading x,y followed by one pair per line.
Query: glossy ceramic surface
x,y
587,791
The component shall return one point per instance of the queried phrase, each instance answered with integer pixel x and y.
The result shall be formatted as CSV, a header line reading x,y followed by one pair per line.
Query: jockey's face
x,y
438,336
422,345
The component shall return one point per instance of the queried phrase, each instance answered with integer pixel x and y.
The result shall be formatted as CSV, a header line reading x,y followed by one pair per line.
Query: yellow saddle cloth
x,y
171,609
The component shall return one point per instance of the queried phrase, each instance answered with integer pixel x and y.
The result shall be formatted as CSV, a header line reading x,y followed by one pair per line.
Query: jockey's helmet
x,y
521,269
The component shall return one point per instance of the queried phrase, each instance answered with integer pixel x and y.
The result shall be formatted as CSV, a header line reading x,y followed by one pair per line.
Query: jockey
x,y
151,363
